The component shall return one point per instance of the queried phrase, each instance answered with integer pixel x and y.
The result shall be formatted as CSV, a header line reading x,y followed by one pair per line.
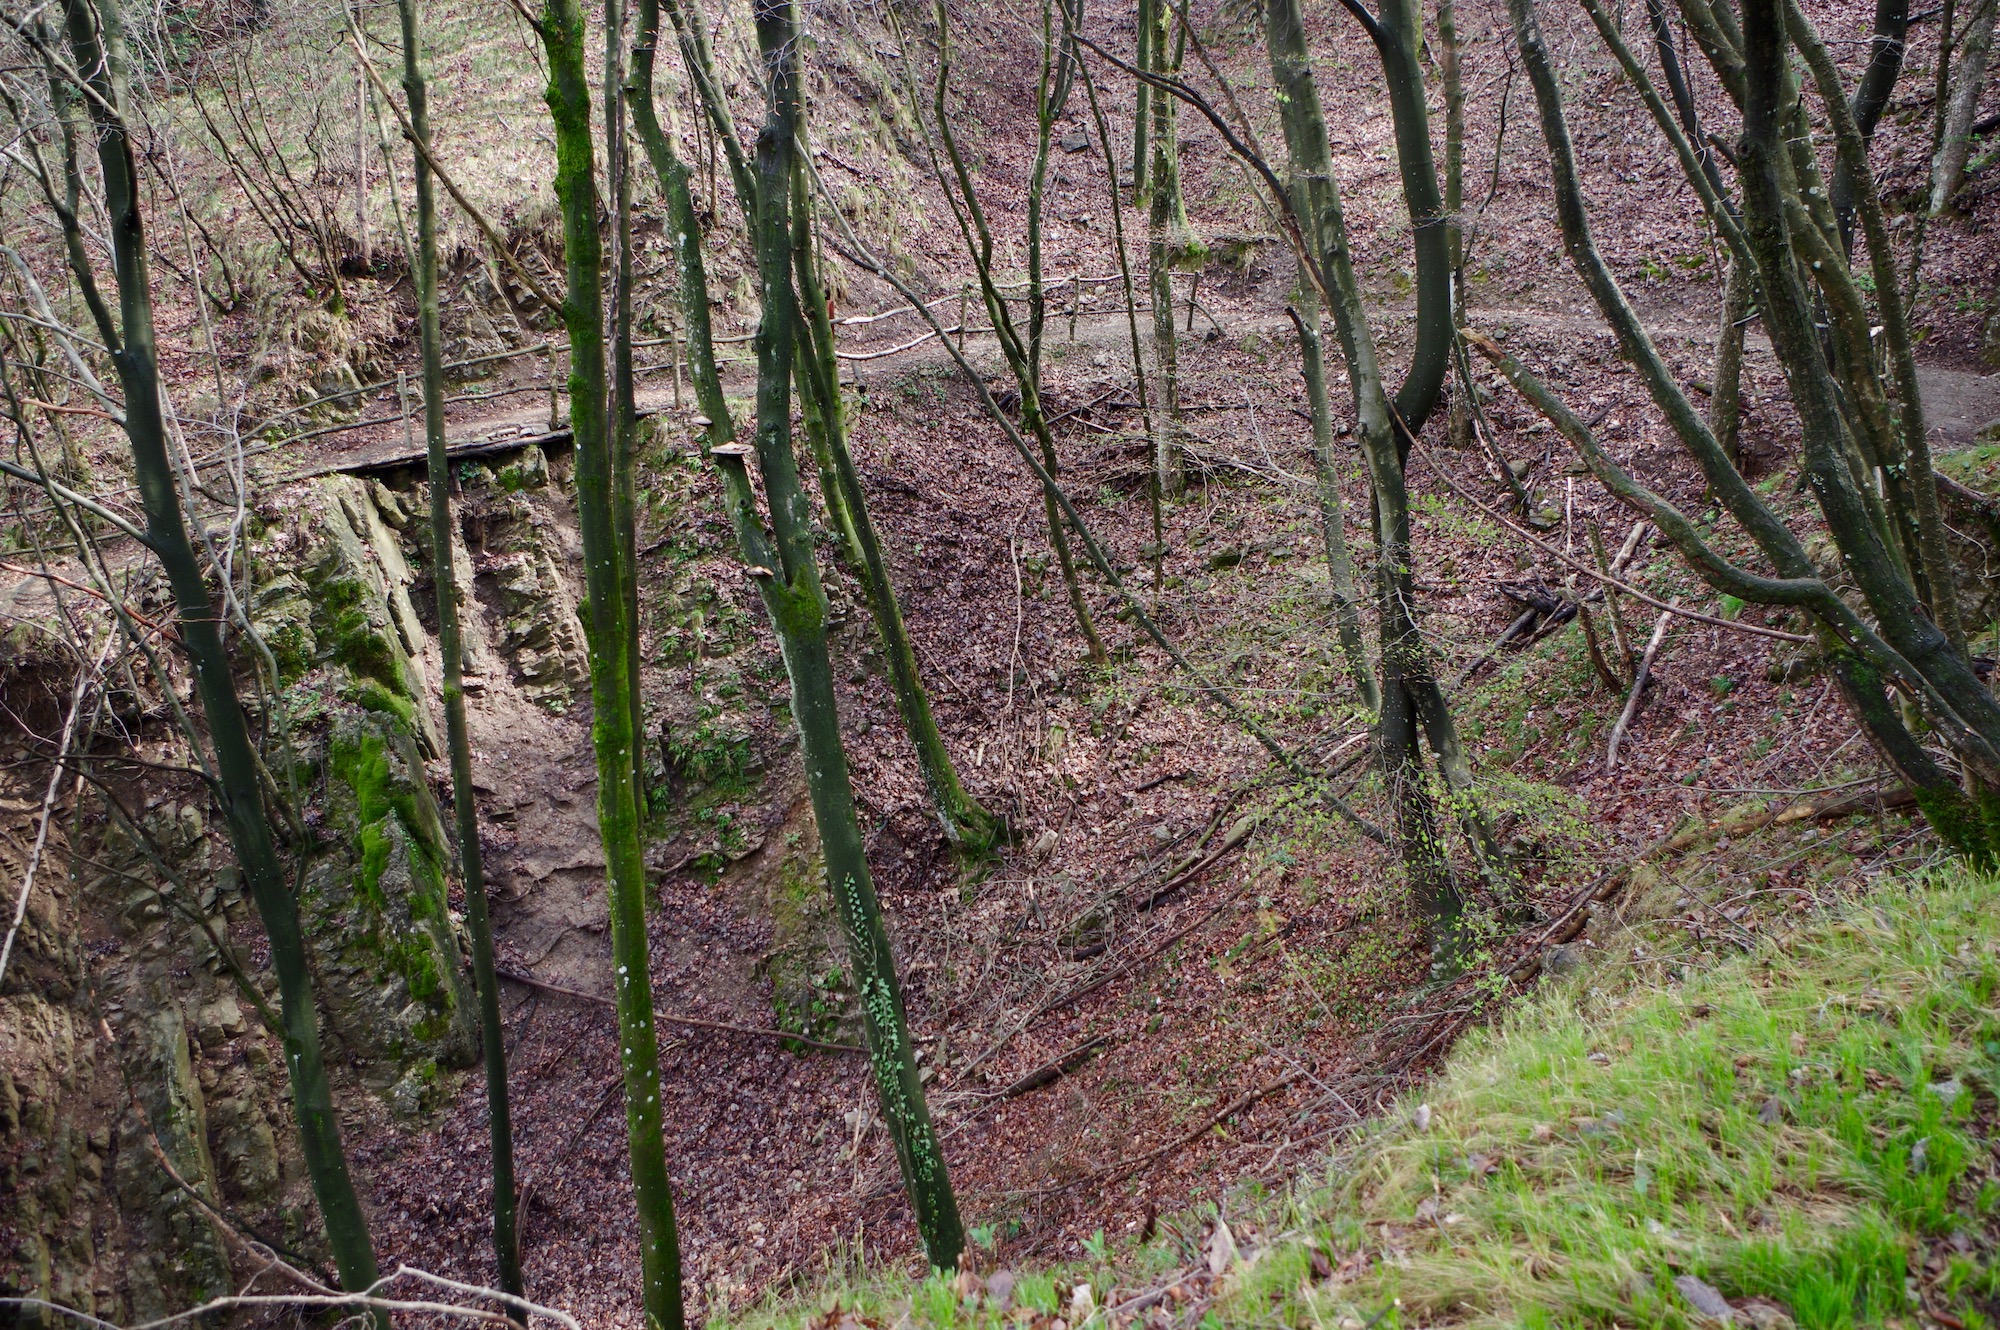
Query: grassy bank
x,y
1805,1131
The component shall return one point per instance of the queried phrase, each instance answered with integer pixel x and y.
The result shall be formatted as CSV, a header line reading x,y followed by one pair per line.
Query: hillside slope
x,y
1799,1136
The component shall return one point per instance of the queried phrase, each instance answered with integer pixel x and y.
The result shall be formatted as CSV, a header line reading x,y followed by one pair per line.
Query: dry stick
x,y
1090,986
529,981
600,1101
1054,1069
1613,568
1237,835
1120,1171
1665,607
1638,690
164,631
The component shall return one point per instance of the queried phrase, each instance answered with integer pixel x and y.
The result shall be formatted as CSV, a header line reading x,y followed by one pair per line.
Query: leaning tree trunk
x,y
787,576
493,1036
97,42
618,818
969,828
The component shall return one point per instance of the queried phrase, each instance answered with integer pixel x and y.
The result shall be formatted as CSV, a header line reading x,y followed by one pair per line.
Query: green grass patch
x,y
1806,1129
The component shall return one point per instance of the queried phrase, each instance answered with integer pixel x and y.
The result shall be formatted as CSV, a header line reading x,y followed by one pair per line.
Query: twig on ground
x,y
1120,1171
1633,698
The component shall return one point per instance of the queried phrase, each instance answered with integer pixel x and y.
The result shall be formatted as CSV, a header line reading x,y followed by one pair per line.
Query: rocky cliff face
x,y
116,1151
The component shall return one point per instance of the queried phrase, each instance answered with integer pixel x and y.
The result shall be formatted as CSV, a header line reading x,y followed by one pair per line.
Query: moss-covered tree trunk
x,y
1398,32
1413,707
782,563
969,828
97,44
493,1036
624,406
605,564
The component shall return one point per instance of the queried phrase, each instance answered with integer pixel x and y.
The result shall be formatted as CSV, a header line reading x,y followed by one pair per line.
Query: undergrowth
x,y
1805,1130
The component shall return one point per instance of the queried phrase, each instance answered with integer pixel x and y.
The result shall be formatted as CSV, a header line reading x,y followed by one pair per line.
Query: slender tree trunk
x,y
1871,97
1332,519
969,828
1955,144
1169,241
1725,407
562,32
1027,375
1142,105
97,42
493,1035
787,576
1452,74
624,407
1409,699
1398,32
1159,548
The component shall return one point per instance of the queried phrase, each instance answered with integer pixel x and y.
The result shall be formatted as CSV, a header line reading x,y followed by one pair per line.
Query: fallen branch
x,y
1237,835
1120,1171
1667,607
1054,1069
1632,698
530,981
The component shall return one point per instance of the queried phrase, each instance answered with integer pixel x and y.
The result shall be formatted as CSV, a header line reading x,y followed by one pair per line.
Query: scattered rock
x,y
218,1021
1704,1299
1565,959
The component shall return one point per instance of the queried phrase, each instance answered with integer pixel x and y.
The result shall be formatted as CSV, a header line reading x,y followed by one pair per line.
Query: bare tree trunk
x,y
493,1035
1169,242
787,576
1948,167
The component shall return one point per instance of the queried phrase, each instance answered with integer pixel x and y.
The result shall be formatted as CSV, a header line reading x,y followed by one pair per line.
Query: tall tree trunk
x,y
1332,519
1142,104
1408,704
969,828
1955,144
1452,73
1027,373
624,408
562,32
788,577
1398,32
97,41
493,1035
1169,243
